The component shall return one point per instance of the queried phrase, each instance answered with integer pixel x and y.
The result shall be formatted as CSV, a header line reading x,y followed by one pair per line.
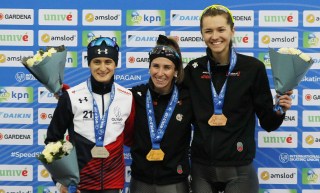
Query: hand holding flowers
x,y
60,159
289,66
47,66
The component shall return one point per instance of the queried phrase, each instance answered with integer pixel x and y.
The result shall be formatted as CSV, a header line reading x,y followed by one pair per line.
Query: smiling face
x,y
102,69
217,35
162,72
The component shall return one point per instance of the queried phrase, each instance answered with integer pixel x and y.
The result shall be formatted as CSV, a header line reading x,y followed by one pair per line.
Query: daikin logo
x,y
185,17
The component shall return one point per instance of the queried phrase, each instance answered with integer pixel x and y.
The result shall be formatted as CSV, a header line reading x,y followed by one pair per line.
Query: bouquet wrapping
x,y
289,66
60,159
48,67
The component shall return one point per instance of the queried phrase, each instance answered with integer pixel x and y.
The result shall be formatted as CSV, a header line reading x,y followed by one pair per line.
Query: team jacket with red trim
x,y
75,112
247,95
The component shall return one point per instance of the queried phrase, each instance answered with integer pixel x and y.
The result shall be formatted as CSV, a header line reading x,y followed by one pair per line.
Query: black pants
x,y
209,179
141,187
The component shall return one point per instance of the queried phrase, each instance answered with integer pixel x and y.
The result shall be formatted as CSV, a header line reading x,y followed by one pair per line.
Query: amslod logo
x,y
277,175
145,17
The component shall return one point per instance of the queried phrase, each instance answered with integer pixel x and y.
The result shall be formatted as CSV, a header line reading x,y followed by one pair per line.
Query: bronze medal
x,y
155,155
99,152
217,120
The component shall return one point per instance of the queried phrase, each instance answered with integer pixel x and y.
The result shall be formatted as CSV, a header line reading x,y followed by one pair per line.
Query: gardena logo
x,y
17,16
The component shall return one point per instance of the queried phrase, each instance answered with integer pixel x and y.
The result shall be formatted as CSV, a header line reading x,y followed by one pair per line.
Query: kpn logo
x,y
145,17
311,39
16,94
310,175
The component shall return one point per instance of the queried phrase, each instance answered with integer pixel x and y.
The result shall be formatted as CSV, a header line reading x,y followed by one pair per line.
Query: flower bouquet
x,y
60,159
47,66
289,66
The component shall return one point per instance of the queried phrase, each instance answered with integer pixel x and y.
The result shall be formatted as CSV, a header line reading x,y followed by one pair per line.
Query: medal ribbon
x,y
156,134
100,123
218,100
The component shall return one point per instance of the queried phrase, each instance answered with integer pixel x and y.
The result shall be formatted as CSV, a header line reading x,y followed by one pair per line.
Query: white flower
x,y
40,55
294,51
67,147
54,151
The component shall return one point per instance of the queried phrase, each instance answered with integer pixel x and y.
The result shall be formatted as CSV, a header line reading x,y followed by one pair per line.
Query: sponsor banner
x,y
146,18
275,39
311,191
277,139
243,18
16,115
43,174
285,158
13,58
311,97
16,16
277,191
185,17
21,77
311,39
290,119
66,17
311,176
16,37
45,115
189,39
188,56
277,175
88,36
45,96
72,60
85,60
16,94
16,173
16,189
247,53
243,39
142,38
311,18
48,189
58,38
310,118
311,79
42,135
265,58
310,139
279,18
316,60
93,17
137,60
16,137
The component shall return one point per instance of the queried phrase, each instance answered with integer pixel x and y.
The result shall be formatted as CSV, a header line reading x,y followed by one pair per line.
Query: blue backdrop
x,y
287,160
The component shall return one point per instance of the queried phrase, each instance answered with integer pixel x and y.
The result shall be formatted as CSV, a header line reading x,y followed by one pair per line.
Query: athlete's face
x,y
102,69
217,34
162,71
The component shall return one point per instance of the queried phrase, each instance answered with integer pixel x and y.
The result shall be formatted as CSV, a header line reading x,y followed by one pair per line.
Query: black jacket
x,y
247,95
175,143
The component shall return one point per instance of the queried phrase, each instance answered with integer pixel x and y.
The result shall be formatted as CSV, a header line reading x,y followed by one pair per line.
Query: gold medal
x,y
99,152
217,120
155,155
